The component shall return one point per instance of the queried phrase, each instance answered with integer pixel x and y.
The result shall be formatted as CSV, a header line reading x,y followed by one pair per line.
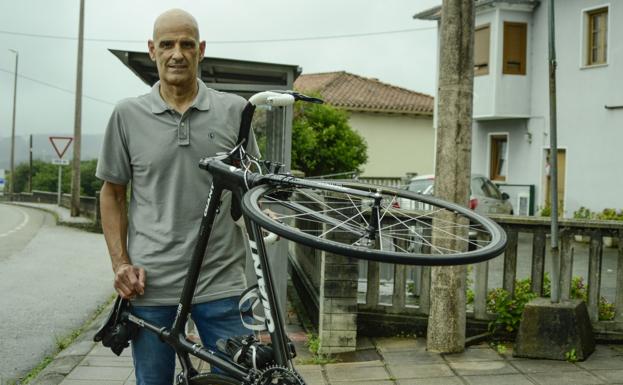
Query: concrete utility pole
x,y
553,157
446,322
75,172
12,180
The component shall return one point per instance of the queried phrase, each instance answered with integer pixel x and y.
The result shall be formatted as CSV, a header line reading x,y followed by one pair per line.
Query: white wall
x,y
397,144
590,134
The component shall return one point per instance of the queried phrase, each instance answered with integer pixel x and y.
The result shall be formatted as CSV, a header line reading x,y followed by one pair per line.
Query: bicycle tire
x,y
213,379
335,233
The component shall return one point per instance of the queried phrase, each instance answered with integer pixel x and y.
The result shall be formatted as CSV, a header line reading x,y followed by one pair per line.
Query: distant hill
x,y
42,149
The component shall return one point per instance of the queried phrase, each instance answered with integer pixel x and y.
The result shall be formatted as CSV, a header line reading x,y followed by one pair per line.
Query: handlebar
x,y
281,98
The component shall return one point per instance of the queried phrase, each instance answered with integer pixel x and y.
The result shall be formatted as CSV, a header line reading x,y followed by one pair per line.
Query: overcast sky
x,y
47,61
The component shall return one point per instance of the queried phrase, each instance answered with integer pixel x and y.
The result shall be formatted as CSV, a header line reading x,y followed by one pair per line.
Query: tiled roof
x,y
357,93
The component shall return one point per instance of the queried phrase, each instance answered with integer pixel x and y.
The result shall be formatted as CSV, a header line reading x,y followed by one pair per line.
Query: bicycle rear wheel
x,y
375,223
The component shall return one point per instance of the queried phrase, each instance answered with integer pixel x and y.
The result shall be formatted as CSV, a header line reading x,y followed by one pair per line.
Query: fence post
x,y
538,262
510,262
619,288
594,274
566,266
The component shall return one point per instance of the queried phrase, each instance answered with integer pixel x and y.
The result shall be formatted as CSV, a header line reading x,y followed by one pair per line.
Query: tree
x,y
45,177
323,142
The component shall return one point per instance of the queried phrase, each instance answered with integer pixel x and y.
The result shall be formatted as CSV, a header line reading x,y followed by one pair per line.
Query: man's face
x,y
177,52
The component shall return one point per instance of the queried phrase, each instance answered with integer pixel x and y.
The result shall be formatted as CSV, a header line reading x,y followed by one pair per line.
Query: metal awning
x,y
237,76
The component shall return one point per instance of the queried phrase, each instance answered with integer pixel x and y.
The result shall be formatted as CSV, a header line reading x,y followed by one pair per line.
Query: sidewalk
x,y
63,214
382,361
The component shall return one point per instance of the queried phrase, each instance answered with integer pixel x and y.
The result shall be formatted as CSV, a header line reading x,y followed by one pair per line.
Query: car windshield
x,y
421,186
483,187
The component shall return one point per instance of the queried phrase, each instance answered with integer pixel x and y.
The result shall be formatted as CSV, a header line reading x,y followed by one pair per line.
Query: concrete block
x,y
549,330
339,321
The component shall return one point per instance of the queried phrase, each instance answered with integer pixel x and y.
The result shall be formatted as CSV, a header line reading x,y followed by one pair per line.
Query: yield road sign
x,y
60,162
60,144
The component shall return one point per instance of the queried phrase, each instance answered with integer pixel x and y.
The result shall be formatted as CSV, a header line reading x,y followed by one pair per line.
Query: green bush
x,y
610,215
583,213
508,310
323,142
45,177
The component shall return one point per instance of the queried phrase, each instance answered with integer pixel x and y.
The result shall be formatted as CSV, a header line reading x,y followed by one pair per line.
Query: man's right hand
x,y
129,281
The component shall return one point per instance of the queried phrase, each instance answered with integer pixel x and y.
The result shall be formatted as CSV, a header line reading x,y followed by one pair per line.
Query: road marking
x,y
20,226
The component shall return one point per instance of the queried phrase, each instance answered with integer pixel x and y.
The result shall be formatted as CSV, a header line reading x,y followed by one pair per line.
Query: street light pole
x,y
12,184
75,179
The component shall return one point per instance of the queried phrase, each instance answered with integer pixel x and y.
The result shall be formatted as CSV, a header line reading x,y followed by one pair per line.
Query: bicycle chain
x,y
278,375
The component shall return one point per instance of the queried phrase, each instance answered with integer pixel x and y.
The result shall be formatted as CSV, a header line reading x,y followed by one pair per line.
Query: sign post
x,y
60,144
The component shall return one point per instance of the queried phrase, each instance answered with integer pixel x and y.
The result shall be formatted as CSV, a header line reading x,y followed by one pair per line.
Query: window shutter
x,y
481,50
514,48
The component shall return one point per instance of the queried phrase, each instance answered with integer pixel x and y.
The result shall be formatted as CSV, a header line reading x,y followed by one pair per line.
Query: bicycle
x,y
347,218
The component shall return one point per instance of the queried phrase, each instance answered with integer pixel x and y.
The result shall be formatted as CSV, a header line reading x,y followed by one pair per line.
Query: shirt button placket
x,y
183,132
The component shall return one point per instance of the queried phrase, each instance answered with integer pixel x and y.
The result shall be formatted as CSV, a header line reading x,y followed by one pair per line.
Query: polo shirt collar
x,y
201,102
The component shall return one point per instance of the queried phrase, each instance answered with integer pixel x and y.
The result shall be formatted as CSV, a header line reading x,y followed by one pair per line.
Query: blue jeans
x,y
154,361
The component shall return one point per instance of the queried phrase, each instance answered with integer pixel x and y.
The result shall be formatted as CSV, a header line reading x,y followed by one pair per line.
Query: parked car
x,y
486,197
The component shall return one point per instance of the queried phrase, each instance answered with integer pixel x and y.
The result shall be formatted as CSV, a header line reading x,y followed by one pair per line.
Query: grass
x,y
62,342
313,344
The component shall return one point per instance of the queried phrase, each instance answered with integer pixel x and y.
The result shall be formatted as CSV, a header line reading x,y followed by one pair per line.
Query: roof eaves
x,y
386,110
433,13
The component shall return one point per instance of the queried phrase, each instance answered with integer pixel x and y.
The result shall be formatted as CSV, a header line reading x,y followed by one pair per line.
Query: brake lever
x,y
305,98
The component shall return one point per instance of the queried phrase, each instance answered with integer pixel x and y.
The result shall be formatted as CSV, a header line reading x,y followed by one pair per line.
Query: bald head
x,y
176,18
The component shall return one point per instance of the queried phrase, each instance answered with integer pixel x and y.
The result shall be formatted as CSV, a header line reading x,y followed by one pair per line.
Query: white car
x,y
485,196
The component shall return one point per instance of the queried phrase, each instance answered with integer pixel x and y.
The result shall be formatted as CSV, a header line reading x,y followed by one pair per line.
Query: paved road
x,y
18,225
52,278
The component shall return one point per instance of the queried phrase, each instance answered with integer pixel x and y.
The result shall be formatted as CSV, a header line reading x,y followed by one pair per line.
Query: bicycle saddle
x,y
116,331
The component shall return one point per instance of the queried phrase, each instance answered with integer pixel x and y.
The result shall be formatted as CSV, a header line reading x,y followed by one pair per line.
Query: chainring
x,y
278,375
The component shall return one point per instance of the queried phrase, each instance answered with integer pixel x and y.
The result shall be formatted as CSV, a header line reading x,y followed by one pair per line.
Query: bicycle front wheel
x,y
375,223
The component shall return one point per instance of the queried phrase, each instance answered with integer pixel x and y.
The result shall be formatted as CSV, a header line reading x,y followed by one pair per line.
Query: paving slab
x,y
312,374
602,362
543,366
357,372
480,368
431,381
508,379
420,371
474,354
412,357
570,378
98,373
610,376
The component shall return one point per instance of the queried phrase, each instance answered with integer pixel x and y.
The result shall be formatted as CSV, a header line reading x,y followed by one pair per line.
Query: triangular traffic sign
x,y
59,142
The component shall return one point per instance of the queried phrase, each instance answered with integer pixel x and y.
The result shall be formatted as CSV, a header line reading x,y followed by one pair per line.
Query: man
x,y
155,142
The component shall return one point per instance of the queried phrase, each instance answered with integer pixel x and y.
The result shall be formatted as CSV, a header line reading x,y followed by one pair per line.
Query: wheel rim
x,y
411,229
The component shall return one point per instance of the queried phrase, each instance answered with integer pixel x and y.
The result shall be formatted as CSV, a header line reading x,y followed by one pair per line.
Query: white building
x,y
396,123
511,99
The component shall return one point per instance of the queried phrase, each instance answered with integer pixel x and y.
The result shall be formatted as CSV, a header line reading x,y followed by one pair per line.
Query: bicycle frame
x,y
176,337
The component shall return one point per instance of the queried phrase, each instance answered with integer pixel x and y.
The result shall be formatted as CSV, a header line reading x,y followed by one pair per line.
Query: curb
x,y
87,225
66,360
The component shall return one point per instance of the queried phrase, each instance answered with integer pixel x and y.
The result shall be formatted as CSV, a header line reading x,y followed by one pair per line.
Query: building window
x,y
514,48
481,50
597,37
498,157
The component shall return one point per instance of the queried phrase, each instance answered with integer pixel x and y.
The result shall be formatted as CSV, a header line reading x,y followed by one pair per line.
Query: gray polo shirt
x,y
155,148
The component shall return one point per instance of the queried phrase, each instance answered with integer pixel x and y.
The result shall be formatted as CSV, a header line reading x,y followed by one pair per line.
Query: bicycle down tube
x,y
273,315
